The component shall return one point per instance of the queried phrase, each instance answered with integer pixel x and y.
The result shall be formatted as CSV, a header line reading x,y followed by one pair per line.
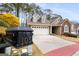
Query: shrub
x,y
8,20
2,30
12,20
70,34
2,34
4,24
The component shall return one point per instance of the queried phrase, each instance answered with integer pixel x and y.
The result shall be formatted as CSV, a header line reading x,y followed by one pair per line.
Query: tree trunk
x,y
26,21
17,10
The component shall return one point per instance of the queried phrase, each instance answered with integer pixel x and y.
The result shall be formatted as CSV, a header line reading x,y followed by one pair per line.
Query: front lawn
x,y
73,39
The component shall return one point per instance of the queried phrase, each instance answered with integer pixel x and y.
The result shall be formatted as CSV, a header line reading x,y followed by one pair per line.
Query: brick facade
x,y
66,22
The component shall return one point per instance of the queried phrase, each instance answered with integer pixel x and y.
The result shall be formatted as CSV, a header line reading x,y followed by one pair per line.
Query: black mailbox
x,y
19,36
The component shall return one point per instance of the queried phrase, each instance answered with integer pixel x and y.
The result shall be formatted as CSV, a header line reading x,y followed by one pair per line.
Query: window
x,y
66,28
78,30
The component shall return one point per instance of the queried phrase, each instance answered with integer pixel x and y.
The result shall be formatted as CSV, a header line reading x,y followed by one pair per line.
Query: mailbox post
x,y
20,37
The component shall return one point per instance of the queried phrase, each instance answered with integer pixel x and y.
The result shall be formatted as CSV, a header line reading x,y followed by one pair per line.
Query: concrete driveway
x,y
47,43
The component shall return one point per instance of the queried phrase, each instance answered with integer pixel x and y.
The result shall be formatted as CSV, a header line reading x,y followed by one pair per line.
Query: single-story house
x,y
56,25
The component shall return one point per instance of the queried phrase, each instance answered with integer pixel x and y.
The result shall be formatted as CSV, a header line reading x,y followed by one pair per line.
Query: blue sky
x,y
66,10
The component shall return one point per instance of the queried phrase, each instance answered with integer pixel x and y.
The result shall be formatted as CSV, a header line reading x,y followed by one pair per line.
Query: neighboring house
x,y
75,28
4,10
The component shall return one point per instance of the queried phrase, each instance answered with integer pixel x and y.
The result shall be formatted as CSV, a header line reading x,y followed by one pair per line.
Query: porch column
x,y
60,30
50,31
77,31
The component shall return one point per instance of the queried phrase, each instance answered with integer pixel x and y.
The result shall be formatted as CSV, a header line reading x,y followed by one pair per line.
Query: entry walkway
x,y
47,44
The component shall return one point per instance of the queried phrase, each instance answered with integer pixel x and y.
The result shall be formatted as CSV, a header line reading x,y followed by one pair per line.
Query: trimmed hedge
x,y
70,34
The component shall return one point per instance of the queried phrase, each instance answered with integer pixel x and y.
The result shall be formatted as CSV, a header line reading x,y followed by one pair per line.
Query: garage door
x,y
40,30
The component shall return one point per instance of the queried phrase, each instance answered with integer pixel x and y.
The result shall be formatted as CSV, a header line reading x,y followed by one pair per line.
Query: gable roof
x,y
66,19
56,21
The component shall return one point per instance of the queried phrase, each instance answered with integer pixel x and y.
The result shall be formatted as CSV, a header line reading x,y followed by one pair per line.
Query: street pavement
x,y
70,50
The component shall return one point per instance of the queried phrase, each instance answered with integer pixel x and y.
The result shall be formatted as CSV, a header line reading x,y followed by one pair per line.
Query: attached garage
x,y
40,30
